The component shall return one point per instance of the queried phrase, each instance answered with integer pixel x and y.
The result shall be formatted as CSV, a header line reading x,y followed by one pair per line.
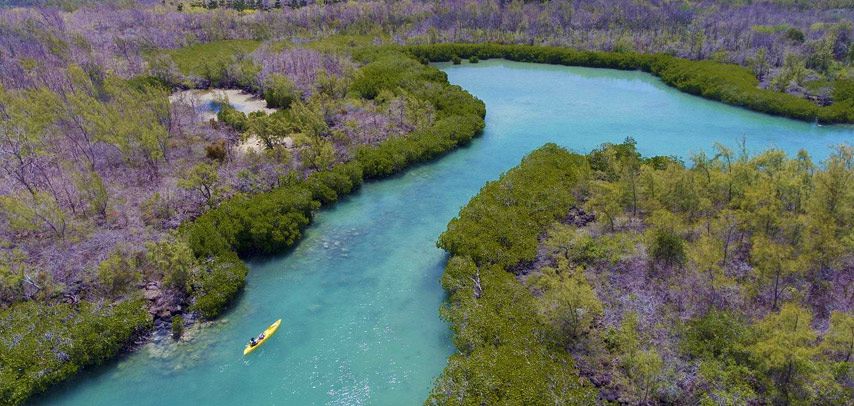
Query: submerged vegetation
x,y
719,283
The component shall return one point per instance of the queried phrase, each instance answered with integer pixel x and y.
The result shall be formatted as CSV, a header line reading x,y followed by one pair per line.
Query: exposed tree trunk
x,y
776,287
478,289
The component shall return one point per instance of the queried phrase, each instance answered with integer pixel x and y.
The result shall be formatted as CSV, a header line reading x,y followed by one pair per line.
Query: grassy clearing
x,y
199,59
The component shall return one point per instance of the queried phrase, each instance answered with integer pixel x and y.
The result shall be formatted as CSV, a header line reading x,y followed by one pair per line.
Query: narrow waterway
x,y
359,296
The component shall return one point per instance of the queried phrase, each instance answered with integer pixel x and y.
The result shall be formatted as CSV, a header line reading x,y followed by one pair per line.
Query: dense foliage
x,y
84,189
42,345
458,117
500,225
731,84
279,91
726,282
505,355
217,282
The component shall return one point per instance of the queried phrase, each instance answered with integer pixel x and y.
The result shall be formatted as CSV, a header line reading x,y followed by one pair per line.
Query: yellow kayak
x,y
267,334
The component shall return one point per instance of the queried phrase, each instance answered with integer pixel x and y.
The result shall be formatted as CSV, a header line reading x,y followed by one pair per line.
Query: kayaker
x,y
265,335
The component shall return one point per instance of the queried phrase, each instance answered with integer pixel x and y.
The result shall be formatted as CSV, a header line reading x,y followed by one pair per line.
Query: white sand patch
x,y
204,102
253,143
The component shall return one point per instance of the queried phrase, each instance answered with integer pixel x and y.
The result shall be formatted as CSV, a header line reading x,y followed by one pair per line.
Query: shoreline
x,y
375,173
730,84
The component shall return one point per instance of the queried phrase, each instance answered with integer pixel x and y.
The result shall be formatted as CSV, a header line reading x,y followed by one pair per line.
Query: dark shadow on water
x,y
445,336
434,276
87,374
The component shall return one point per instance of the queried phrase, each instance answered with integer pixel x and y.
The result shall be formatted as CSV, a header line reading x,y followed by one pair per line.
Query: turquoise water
x,y
360,294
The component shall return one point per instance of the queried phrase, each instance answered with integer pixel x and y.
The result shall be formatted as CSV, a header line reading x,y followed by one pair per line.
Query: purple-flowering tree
x,y
300,65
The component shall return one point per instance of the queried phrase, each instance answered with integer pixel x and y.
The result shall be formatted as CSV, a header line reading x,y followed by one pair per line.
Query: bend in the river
x,y
360,294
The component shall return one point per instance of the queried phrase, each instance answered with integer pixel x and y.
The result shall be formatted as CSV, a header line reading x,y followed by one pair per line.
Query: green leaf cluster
x,y
42,345
279,91
216,283
500,225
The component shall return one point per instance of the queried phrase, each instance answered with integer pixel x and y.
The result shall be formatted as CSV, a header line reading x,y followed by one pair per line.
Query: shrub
x,y
156,209
232,117
500,225
785,352
326,186
203,179
390,72
264,224
394,154
794,35
279,91
580,248
456,60
118,274
143,83
177,327
172,259
843,91
717,335
668,247
244,74
474,59
569,304
217,283
216,150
